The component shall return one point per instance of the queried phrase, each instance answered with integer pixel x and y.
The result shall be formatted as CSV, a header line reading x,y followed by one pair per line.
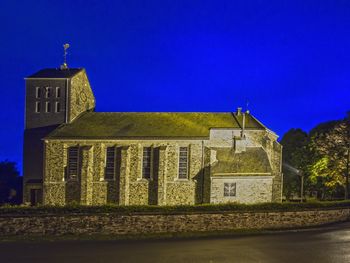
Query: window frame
x,y
57,107
186,167
38,92
70,176
231,189
48,107
150,157
37,107
48,91
58,92
114,163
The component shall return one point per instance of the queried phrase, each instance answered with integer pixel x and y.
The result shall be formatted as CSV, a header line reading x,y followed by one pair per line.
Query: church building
x,y
74,155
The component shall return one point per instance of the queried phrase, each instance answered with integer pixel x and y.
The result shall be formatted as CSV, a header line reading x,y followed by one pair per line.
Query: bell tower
x,y
54,97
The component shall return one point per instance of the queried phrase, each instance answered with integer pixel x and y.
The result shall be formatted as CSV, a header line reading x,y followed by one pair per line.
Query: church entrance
x,y
36,196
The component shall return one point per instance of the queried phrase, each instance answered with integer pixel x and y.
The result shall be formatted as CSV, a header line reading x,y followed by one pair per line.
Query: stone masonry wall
x,y
249,189
129,188
255,138
143,224
81,97
268,141
164,187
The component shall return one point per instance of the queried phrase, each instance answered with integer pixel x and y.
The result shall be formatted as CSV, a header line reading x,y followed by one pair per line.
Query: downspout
x,y
243,125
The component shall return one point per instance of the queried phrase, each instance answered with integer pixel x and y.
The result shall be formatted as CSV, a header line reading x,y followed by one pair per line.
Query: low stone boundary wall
x,y
144,224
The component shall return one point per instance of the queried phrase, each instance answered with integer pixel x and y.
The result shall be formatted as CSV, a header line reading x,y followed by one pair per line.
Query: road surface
x,y
331,244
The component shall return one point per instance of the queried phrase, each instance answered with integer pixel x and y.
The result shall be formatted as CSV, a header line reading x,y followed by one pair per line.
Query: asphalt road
x,y
331,244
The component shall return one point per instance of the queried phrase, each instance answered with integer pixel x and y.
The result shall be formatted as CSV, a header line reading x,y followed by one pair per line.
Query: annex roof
x,y
252,161
99,125
55,73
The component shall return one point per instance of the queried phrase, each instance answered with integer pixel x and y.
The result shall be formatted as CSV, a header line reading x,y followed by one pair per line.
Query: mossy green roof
x,y
253,160
149,124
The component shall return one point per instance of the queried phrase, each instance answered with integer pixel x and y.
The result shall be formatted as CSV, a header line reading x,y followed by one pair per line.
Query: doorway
x,y
36,196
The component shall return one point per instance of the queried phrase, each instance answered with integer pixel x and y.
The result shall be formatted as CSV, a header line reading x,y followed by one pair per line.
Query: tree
x,y
10,183
331,141
324,177
295,153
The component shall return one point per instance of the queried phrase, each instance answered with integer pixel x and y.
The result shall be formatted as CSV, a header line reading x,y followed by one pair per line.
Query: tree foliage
x,y
323,157
295,154
323,178
330,145
10,183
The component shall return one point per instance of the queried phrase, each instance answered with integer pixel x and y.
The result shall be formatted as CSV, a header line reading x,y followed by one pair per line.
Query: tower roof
x,y
55,73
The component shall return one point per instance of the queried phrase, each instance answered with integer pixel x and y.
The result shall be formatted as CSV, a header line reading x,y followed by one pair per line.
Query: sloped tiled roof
x,y
55,73
253,160
149,124
249,120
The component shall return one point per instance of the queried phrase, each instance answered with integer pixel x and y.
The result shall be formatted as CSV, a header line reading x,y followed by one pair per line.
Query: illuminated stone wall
x,y
164,187
141,224
248,189
81,98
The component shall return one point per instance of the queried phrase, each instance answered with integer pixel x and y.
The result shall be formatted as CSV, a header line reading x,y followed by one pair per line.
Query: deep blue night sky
x,y
289,59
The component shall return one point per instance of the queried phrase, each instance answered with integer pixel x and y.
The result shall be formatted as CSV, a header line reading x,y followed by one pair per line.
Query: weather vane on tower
x,y
64,65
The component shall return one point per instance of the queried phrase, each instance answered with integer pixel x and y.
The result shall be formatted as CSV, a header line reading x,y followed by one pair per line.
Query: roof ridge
x,y
55,73
234,117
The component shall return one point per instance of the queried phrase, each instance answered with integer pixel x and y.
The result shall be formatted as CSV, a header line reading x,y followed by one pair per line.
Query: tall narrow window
x,y
38,93
229,189
73,163
58,92
48,106
110,163
146,162
183,163
48,92
37,106
57,107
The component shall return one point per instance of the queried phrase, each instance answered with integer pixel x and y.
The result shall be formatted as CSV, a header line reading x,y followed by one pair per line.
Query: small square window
x,y
229,189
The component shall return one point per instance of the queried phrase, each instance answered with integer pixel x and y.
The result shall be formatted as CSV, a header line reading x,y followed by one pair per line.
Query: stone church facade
x,y
73,154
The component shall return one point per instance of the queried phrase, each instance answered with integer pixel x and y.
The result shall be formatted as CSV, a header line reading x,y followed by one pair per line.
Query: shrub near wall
x,y
153,220
77,209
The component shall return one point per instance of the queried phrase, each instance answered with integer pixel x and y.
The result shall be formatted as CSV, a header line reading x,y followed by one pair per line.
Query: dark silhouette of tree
x,y
295,154
323,157
10,183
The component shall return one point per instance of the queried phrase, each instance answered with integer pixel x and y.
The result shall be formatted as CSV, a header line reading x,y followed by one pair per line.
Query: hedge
x,y
115,209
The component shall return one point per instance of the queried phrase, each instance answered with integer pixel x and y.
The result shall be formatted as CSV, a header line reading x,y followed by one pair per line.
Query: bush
x,y
208,208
